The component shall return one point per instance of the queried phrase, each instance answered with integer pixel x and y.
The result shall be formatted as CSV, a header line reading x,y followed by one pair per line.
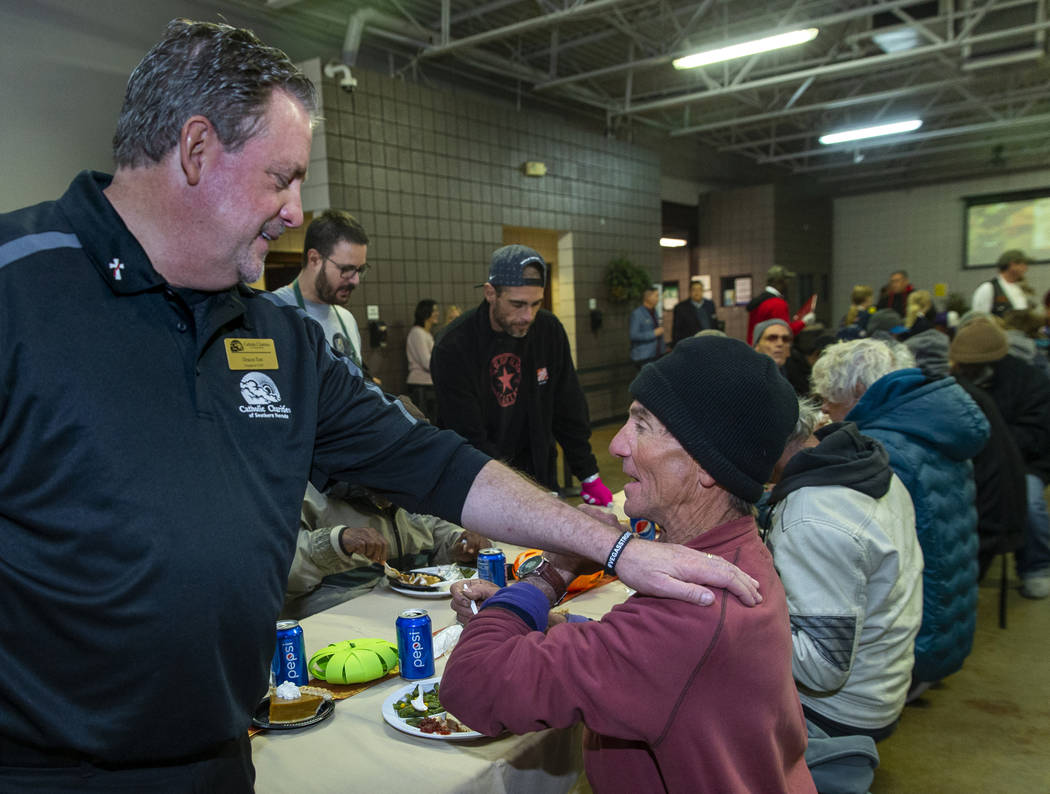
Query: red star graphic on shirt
x,y
505,374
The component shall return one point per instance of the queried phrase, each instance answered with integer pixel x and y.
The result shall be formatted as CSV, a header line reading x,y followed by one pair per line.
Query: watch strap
x,y
547,573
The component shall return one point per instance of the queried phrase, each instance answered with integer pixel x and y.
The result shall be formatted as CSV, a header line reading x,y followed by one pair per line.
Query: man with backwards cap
x,y
505,380
673,698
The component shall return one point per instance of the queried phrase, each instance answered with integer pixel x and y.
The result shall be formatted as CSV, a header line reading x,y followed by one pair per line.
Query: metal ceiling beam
x,y
872,62
942,109
873,178
919,153
833,104
830,19
582,9
895,140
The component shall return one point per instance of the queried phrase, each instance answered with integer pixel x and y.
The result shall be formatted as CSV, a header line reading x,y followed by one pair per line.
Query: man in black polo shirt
x,y
153,462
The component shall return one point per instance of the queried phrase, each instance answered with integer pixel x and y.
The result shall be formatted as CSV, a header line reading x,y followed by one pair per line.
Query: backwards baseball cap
x,y
778,273
1011,256
507,268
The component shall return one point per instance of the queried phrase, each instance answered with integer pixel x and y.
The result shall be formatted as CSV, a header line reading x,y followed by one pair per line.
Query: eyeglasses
x,y
349,271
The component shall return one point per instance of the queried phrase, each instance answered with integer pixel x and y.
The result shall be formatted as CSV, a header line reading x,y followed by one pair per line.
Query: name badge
x,y
251,354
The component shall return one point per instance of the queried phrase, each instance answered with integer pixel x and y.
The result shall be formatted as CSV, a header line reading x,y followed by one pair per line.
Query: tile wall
x,y
748,230
921,231
435,175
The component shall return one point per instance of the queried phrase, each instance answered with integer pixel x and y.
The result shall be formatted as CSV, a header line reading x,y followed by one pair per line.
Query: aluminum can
x,y
643,528
415,644
289,657
492,566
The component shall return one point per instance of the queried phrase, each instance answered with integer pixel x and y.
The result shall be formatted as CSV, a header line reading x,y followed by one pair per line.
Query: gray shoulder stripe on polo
x,y
35,243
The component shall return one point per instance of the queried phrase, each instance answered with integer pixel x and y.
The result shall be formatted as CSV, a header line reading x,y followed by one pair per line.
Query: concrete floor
x,y
985,729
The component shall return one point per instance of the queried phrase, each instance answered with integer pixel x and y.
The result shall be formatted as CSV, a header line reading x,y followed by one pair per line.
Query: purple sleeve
x,y
526,601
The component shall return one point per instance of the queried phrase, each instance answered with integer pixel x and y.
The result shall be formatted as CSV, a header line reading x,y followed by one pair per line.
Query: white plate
x,y
441,589
397,722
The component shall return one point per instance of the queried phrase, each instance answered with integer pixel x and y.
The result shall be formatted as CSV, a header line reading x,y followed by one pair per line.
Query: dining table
x,y
356,750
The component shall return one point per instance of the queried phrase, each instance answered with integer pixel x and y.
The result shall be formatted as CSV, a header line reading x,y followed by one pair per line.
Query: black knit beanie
x,y
726,404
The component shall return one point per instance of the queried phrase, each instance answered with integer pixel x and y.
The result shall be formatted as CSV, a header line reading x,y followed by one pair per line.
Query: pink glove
x,y
594,492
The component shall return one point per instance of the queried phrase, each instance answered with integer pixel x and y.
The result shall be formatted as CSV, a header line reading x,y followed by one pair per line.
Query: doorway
x,y
559,294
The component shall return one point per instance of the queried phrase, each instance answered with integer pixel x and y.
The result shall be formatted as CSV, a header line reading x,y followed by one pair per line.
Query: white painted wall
x,y
63,68
919,230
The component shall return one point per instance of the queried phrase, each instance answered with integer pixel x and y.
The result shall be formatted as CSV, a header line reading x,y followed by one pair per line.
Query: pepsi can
x,y
289,658
415,644
492,566
643,528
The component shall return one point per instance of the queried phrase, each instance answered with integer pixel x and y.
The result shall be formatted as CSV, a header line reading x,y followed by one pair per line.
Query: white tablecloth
x,y
355,750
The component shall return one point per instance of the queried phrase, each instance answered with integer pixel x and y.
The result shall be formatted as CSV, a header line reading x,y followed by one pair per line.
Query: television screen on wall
x,y
1004,221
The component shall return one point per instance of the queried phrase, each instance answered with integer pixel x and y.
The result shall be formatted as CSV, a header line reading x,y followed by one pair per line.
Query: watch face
x,y
529,565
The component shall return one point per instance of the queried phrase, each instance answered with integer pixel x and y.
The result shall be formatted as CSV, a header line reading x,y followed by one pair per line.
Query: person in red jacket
x,y
770,303
895,294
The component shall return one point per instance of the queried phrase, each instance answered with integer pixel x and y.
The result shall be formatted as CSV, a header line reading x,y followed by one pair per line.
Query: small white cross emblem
x,y
116,266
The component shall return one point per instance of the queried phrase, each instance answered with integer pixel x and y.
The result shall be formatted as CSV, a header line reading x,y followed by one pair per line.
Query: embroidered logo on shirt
x,y
505,376
542,376
263,398
116,266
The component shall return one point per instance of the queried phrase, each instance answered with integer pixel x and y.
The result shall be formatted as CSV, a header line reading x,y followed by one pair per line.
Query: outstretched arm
x,y
504,506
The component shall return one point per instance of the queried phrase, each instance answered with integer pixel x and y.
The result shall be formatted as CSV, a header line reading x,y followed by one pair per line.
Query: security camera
x,y
341,71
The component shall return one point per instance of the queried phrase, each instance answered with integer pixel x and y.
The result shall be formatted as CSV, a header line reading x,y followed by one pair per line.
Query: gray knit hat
x,y
761,327
884,320
726,404
930,349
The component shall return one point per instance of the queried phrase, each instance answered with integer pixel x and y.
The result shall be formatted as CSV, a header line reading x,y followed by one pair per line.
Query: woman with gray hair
x,y
845,371
931,430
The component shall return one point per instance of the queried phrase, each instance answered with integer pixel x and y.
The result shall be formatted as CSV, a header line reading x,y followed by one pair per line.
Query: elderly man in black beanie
x,y
673,697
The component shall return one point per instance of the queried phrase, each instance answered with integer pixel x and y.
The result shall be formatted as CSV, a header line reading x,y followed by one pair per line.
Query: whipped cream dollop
x,y
287,691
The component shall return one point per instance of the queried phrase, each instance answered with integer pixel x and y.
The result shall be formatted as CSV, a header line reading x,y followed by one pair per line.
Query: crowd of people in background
x,y
921,453
917,458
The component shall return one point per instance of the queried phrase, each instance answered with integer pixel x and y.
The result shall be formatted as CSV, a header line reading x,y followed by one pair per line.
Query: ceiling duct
x,y
381,24
891,33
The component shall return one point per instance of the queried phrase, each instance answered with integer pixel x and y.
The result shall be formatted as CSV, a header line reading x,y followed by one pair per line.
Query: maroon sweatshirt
x,y
675,697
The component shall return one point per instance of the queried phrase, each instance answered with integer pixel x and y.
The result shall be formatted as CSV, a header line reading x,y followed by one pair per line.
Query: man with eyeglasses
x,y
335,259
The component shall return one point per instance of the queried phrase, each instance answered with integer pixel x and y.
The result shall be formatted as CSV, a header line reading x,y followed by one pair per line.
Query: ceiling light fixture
x,y
897,127
781,40
672,242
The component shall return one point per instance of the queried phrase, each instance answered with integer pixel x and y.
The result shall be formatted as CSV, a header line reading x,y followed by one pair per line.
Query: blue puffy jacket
x,y
931,429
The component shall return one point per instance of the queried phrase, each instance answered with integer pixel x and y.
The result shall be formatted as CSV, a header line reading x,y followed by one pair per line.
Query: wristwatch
x,y
542,567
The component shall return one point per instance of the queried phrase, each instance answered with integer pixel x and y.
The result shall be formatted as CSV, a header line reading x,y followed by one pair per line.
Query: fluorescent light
x,y
672,242
791,39
842,136
897,40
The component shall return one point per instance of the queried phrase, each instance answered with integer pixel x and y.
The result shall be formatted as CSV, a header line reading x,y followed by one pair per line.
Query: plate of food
x,y
431,582
276,713
416,709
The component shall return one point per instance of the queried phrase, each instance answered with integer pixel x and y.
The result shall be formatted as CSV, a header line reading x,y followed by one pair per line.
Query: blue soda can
x,y
415,644
643,528
289,658
492,566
